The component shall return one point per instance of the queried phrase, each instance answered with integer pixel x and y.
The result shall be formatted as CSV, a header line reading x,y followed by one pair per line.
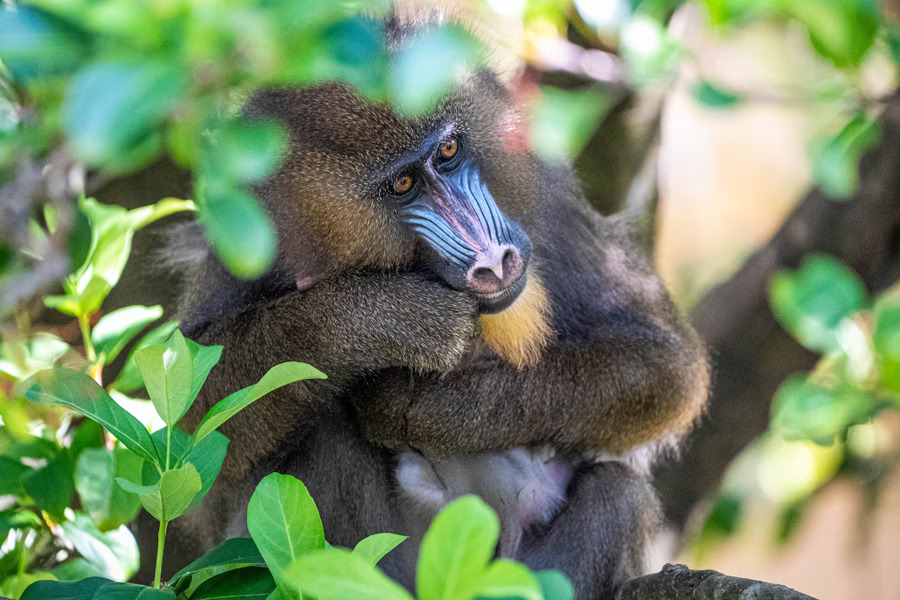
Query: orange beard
x,y
520,333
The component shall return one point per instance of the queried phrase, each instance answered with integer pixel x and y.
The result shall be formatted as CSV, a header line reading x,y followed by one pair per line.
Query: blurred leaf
x,y
713,96
88,435
114,553
108,505
51,487
428,66
508,579
114,330
841,31
565,120
247,583
171,495
53,590
249,151
81,393
36,43
231,552
648,51
79,245
789,519
241,232
812,301
725,516
836,160
113,110
129,378
555,585
887,345
12,474
337,573
276,377
22,358
18,519
76,569
374,547
15,585
456,550
804,410
283,521
167,370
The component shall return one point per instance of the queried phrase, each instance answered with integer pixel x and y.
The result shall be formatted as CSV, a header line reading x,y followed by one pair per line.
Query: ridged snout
x,y
495,268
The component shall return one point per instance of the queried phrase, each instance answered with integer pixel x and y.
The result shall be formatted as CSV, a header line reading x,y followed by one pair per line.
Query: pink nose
x,y
494,269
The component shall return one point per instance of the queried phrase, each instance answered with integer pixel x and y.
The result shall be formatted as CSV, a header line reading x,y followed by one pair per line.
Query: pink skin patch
x,y
306,282
514,124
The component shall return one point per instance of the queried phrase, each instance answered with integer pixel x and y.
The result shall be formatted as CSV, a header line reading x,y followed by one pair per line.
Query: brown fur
x,y
596,357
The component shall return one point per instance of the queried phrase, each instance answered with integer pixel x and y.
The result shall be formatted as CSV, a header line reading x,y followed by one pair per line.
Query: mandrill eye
x,y
449,147
402,184
449,155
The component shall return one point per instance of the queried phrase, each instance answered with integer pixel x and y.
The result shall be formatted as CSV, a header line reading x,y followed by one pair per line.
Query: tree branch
x,y
677,582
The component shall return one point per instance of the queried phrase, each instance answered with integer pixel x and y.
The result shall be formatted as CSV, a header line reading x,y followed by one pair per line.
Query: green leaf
x,y
171,495
36,43
168,373
239,230
836,160
841,31
565,120
247,583
714,96
555,585
130,591
75,569
374,547
114,554
425,69
18,519
207,457
94,473
232,552
804,410
204,359
129,378
108,505
54,590
114,330
112,229
87,435
812,301
338,573
51,487
81,393
283,521
12,475
507,578
887,345
276,377
456,550
113,110
249,151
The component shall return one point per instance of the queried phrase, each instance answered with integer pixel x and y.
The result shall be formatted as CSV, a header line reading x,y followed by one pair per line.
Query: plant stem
x,y
160,543
85,322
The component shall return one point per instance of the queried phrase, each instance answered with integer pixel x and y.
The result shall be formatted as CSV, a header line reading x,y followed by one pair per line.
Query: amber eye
x,y
449,147
403,184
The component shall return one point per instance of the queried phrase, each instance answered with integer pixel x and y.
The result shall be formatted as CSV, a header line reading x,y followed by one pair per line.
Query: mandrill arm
x,y
622,368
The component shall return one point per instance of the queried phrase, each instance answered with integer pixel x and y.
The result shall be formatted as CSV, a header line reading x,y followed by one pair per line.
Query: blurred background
x,y
755,144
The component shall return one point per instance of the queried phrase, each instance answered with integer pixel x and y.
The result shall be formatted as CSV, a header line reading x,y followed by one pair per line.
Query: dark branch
x,y
677,582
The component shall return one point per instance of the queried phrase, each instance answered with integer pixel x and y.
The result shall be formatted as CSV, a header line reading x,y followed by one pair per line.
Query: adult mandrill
x,y
471,312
